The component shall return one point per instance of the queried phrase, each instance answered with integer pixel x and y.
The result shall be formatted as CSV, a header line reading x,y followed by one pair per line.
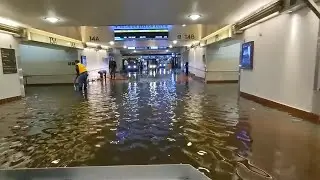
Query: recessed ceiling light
x,y
125,47
111,42
170,46
194,16
184,25
175,42
167,50
52,19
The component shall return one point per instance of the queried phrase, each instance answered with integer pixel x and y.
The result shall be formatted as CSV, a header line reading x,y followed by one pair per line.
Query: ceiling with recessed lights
x,y
115,12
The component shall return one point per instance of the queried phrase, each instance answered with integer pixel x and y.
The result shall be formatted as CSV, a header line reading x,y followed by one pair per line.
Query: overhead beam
x,y
313,6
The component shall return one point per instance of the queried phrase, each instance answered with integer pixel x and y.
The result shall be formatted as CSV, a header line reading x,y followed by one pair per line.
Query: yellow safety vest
x,y
82,68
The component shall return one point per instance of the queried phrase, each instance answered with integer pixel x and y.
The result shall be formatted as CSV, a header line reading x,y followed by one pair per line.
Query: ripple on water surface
x,y
135,122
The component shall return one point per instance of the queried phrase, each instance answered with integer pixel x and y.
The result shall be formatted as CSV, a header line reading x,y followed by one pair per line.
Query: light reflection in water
x,y
148,121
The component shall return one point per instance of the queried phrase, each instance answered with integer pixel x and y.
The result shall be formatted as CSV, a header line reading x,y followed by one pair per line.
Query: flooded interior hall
x,y
185,89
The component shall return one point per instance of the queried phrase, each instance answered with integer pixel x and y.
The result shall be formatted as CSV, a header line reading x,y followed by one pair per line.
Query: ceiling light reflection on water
x,y
147,121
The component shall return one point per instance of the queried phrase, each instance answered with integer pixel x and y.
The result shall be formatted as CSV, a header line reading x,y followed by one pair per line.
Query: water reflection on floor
x,y
158,119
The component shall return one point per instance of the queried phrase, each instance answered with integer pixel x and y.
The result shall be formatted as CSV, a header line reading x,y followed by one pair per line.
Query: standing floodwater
x,y
158,119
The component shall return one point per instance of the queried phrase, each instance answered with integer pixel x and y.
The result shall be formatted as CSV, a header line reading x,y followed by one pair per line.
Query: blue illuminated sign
x,y
84,60
246,61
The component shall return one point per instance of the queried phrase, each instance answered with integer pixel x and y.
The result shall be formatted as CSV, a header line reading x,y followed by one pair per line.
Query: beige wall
x,y
316,102
223,61
9,83
105,34
96,61
195,29
48,64
244,8
208,29
284,59
72,32
196,62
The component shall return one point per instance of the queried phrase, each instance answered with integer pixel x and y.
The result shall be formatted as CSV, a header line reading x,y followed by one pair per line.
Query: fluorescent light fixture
x,y
91,44
8,22
52,19
154,47
170,46
134,51
175,42
111,42
194,17
125,47
104,47
260,21
95,27
131,48
184,25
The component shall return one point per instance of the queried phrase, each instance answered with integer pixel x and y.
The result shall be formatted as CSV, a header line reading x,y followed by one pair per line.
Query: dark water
x,y
161,119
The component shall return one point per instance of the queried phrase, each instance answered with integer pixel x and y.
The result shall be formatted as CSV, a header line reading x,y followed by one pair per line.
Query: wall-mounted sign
x,y
53,40
217,37
71,63
186,37
246,61
73,44
9,64
94,38
84,60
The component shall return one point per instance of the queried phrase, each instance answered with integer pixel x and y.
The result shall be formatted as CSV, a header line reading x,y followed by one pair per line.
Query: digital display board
x,y
246,61
143,34
149,48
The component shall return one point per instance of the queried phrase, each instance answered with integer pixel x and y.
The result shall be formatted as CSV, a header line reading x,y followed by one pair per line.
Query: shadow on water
x,y
148,119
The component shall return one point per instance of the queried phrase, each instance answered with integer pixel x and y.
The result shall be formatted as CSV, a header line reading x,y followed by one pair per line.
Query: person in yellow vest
x,y
82,75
